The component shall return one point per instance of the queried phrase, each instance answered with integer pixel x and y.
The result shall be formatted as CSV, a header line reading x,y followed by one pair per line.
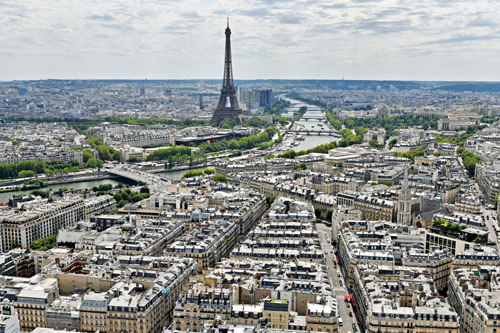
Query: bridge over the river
x,y
154,182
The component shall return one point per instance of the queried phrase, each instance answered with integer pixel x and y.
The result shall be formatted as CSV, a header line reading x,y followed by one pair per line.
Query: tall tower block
x,y
228,107
404,201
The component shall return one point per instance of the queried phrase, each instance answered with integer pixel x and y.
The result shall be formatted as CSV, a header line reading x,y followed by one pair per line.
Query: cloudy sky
x,y
160,39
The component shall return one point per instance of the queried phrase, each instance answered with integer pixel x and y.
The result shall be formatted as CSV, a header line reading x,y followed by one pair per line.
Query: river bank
x,y
91,179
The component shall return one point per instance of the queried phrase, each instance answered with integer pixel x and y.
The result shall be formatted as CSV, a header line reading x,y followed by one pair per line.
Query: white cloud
x,y
358,39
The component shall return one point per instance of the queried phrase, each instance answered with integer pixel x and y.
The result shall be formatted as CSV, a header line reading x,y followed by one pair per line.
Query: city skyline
x,y
386,40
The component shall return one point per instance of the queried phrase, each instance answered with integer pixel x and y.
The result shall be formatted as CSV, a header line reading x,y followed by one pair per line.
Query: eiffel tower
x,y
228,107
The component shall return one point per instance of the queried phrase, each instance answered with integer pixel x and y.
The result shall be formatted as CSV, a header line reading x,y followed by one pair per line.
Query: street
x,y
490,216
343,308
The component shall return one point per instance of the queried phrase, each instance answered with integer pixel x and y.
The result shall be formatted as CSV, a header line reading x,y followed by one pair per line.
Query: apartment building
x,y
39,218
475,296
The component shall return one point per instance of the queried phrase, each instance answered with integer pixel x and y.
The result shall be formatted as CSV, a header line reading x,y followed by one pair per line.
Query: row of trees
x,y
320,149
194,173
470,160
411,154
106,153
127,196
154,121
178,154
382,121
25,169
278,107
44,244
262,140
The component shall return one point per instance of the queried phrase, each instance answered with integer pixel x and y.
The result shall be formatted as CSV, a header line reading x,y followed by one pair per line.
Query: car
x,y
340,322
354,328
350,314
338,274
340,283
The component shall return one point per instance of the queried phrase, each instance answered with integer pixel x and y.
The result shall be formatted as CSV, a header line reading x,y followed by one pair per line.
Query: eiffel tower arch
x,y
228,107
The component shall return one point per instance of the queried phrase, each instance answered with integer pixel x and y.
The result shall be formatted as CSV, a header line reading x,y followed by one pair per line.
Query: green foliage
x,y
219,178
15,244
384,182
488,119
11,170
374,143
227,124
87,155
470,131
331,117
321,149
349,139
192,173
102,188
127,196
339,165
302,110
44,244
469,159
154,121
173,153
392,143
270,199
144,189
447,226
33,184
208,171
388,123
133,160
15,143
26,174
456,141
91,163
412,153
478,239
278,107
452,187
281,120
248,142
256,122
106,153
40,193
300,167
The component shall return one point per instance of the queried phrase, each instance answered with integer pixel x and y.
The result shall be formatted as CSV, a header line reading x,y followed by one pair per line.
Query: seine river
x,y
310,141
174,175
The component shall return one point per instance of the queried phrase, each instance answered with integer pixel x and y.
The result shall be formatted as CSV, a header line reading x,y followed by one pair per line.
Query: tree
x,y
133,159
117,155
208,171
15,143
192,173
219,178
91,163
26,174
87,155
270,199
100,163
44,244
317,212
392,143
